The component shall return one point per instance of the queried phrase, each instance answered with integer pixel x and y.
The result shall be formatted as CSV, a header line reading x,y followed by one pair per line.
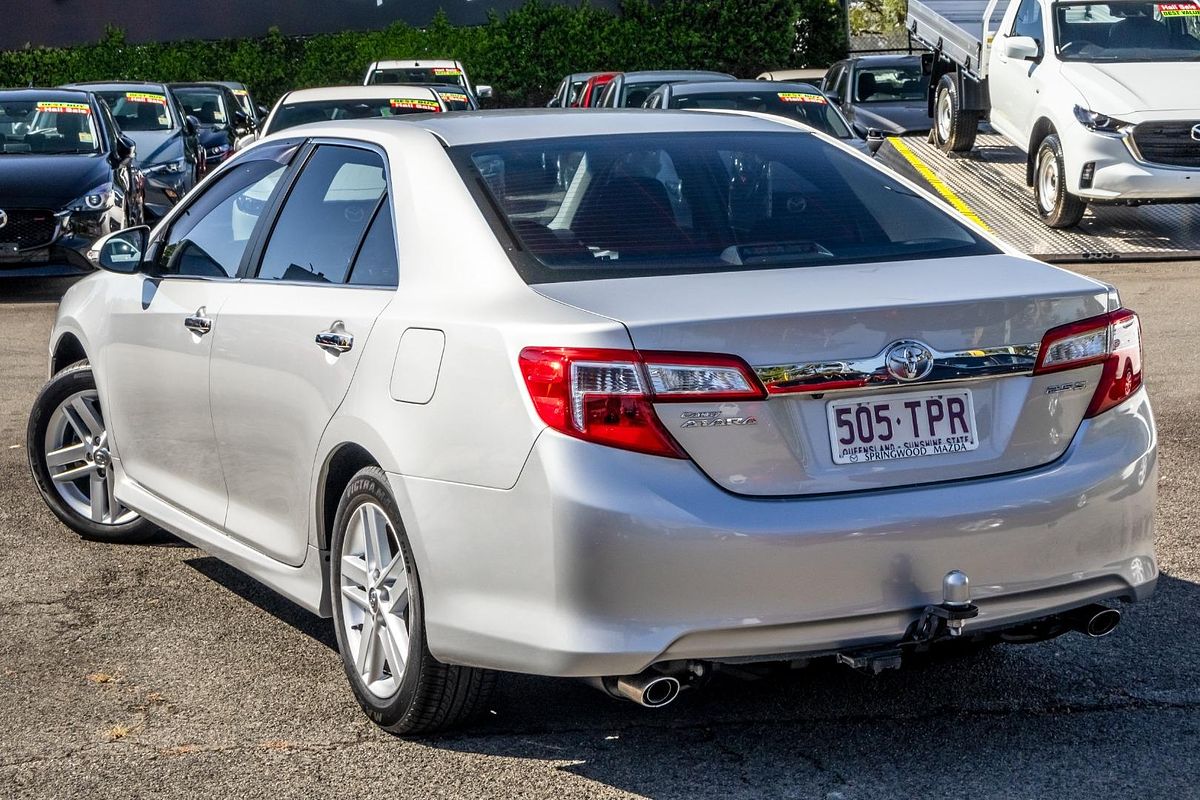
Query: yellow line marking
x,y
936,182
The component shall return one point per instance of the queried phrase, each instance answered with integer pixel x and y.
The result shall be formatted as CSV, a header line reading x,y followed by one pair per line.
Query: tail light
x,y
607,396
1113,340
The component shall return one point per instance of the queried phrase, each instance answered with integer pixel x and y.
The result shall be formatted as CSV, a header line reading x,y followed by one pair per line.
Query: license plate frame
x,y
903,411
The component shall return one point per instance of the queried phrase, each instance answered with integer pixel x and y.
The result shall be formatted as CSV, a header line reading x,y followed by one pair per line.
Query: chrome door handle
x,y
198,323
339,341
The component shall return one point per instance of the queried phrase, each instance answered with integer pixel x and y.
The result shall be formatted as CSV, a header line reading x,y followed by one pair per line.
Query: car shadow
x,y
34,290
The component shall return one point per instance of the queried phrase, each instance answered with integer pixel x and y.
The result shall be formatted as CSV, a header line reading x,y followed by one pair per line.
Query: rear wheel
x,y
378,615
954,129
70,455
1057,207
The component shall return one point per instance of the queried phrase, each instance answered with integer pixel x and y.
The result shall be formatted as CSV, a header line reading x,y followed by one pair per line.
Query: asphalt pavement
x,y
155,670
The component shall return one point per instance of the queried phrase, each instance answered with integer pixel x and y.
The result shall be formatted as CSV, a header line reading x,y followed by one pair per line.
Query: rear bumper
x,y
602,562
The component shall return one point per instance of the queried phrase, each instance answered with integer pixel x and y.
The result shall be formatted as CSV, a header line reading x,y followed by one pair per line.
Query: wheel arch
x,y
67,350
1041,129
343,461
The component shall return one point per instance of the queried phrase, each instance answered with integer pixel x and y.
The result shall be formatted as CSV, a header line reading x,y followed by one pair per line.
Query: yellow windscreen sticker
x,y
146,97
453,97
1179,9
64,108
801,97
416,103
86,138
447,71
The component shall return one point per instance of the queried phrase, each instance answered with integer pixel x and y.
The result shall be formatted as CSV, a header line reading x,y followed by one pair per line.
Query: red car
x,y
589,95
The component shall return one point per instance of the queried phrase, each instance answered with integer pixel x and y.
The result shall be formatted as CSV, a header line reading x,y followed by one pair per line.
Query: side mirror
x,y
875,139
125,148
484,92
263,112
1023,48
122,252
834,97
191,125
240,120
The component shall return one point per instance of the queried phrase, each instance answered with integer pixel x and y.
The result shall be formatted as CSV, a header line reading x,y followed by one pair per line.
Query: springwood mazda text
x,y
479,458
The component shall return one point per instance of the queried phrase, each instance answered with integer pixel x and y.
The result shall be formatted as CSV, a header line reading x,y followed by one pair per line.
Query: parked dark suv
x,y
223,122
168,145
66,178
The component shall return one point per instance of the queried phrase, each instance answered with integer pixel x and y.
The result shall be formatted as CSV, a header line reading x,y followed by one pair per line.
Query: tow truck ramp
x,y
988,185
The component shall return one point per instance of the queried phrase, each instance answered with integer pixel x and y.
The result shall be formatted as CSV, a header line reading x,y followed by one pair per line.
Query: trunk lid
x,y
982,319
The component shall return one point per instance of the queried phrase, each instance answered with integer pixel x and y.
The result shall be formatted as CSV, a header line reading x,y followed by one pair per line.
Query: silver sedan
x,y
619,396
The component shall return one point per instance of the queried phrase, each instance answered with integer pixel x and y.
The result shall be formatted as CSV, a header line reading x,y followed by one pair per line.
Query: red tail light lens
x,y
1113,340
607,396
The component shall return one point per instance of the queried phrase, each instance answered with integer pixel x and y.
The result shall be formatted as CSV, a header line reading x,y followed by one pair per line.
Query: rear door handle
x,y
335,339
198,323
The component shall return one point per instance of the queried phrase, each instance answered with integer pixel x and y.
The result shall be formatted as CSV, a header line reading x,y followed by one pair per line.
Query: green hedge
x,y
523,54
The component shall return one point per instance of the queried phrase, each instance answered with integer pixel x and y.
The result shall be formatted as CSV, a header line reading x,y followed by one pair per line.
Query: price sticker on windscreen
x,y
64,108
446,71
416,104
146,97
801,97
453,97
1179,9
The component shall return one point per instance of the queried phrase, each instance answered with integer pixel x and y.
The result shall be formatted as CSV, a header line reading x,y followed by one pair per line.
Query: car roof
x,y
674,75
400,91
481,127
886,60
48,94
198,85
229,84
100,86
748,86
418,62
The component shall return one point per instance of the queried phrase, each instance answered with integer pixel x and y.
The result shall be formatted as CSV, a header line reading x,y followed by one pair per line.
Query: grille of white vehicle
x,y
1173,143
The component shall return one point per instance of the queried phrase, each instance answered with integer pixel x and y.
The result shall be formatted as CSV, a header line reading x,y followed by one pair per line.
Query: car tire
x,y
67,436
1057,207
954,128
427,696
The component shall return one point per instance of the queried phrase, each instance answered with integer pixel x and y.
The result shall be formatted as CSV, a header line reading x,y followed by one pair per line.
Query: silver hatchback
x,y
618,396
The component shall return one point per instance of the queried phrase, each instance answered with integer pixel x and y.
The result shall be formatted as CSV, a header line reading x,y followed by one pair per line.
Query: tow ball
x,y
951,615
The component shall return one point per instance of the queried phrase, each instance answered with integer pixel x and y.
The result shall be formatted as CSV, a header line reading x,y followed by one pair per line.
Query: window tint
x,y
1028,21
324,217
608,206
210,237
376,261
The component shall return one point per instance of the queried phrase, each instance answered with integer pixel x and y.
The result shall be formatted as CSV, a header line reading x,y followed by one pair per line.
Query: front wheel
x,y
379,619
70,455
1057,207
954,128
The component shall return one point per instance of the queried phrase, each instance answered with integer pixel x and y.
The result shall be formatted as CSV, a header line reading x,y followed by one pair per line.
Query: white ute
x,y
1100,96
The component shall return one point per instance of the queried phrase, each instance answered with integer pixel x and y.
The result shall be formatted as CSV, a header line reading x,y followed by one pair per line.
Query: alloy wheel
x,y
375,600
79,461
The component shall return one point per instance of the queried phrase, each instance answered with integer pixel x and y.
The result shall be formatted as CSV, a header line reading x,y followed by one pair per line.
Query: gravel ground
x,y
156,670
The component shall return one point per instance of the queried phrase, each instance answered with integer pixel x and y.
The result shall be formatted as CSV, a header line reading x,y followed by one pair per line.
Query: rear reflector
x,y
607,396
1113,340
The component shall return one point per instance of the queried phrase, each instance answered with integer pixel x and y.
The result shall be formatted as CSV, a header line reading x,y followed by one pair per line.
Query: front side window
x,y
326,213
888,84
1127,31
1028,21
612,206
139,110
210,237
800,104
47,127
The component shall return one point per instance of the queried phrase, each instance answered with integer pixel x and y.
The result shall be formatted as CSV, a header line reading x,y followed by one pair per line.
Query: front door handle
x,y
335,339
198,323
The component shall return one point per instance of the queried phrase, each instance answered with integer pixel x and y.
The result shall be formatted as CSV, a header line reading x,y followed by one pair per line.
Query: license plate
x,y
891,426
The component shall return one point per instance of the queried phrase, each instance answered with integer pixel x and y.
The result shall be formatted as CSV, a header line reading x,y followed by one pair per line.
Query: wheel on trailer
x,y
954,128
379,619
1057,207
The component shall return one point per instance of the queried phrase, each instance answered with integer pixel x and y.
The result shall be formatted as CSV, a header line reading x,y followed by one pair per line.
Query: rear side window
x,y
325,216
626,205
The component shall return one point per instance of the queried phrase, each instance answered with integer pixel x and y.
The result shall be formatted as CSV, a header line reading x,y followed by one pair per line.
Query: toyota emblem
x,y
1196,132
3,218
909,361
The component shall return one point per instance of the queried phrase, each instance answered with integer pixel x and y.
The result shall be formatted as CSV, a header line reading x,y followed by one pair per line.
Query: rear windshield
x,y
419,75
139,110
291,114
804,105
628,205
47,127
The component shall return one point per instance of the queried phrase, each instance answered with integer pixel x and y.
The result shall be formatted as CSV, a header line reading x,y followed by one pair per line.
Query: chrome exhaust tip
x,y
649,689
1101,622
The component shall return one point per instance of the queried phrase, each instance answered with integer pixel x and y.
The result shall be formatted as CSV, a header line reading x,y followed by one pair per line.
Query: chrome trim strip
x,y
849,375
